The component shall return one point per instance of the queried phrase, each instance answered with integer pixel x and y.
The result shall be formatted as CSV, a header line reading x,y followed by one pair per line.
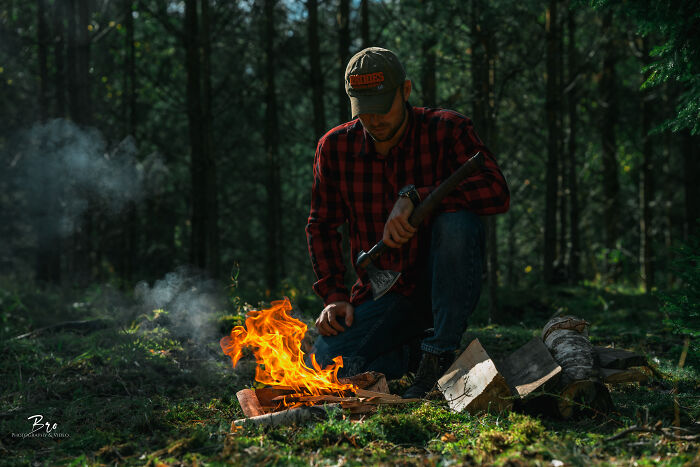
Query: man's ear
x,y
406,89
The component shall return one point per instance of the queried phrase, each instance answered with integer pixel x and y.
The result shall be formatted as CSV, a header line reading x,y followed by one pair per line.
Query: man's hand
x,y
327,322
397,229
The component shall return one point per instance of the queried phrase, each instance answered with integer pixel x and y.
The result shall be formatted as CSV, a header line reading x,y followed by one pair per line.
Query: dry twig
x,y
667,432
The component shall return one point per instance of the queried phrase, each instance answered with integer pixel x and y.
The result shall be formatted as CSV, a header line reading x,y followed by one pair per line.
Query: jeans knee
x,y
459,227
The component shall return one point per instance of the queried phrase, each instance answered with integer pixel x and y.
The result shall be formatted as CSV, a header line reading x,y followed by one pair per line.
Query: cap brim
x,y
372,104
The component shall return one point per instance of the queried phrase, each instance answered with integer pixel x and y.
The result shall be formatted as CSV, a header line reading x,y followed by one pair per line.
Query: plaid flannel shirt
x,y
355,184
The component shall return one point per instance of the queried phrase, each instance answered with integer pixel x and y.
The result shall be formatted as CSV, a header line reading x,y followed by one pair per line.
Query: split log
x,y
249,403
580,388
530,369
292,416
628,375
474,384
618,358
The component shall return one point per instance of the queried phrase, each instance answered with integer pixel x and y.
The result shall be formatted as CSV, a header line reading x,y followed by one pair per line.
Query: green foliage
x,y
682,305
676,59
137,393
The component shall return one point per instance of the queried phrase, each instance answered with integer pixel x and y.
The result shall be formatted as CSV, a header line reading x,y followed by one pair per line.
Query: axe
x,y
382,280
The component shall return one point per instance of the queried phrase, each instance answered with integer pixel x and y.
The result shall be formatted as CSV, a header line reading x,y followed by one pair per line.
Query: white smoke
x,y
62,169
191,301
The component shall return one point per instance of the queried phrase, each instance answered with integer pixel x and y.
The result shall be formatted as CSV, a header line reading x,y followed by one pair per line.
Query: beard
x,y
392,132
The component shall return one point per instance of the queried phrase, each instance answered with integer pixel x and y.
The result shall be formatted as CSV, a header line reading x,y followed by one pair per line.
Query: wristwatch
x,y
410,192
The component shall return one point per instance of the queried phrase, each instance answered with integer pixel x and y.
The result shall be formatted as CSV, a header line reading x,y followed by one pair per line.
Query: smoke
x,y
191,301
60,170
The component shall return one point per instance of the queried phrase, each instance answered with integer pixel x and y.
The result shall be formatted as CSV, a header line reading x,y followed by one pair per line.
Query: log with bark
x,y
579,388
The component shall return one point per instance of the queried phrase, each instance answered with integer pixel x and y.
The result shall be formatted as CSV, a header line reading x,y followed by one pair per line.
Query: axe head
x,y
381,280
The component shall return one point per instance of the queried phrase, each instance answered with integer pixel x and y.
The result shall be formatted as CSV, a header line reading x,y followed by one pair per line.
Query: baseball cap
x,y
371,79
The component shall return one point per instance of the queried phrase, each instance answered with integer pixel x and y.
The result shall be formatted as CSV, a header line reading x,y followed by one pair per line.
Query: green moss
x,y
139,393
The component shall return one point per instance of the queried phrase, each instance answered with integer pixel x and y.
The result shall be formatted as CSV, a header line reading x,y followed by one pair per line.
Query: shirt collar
x,y
367,148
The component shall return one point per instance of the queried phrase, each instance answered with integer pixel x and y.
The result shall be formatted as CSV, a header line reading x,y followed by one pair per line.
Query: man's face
x,y
383,127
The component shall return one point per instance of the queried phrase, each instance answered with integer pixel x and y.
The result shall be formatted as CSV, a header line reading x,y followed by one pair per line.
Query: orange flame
x,y
276,341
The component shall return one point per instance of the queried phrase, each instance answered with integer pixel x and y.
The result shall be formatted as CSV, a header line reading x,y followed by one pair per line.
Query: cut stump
x,y
618,359
530,369
474,384
584,396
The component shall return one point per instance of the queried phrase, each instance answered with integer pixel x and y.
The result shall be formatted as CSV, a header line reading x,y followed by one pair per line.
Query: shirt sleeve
x,y
485,192
327,214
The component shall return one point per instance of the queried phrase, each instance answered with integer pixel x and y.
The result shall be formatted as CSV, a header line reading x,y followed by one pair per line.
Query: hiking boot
x,y
414,350
432,367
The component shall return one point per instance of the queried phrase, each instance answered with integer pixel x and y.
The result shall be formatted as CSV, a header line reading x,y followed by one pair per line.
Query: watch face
x,y
406,190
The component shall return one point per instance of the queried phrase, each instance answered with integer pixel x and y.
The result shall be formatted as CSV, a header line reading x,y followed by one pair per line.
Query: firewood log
x,y
579,387
292,416
567,339
473,383
249,402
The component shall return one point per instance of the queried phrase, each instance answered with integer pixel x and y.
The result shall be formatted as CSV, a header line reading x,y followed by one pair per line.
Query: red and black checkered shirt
x,y
355,184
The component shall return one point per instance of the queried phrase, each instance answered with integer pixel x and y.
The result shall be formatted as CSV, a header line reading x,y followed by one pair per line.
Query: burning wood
x,y
295,389
259,405
275,338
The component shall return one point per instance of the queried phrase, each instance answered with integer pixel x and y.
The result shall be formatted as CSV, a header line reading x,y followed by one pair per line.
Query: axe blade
x,y
381,280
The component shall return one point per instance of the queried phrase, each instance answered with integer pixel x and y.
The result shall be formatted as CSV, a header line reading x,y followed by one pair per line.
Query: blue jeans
x,y
381,334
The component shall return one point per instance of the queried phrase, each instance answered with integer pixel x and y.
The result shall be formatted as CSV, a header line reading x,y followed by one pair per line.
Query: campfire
x,y
275,338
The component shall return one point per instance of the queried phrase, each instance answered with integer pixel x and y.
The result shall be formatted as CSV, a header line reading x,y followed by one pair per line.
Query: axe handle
x,y
427,206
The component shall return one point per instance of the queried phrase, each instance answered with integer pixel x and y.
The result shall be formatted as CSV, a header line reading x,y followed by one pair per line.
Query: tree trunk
x,y
551,107
42,53
611,185
129,238
59,75
573,271
492,226
130,72
646,188
364,13
428,73
343,57
198,239
274,263
343,101
563,163
71,61
84,116
48,248
211,183
85,252
316,76
691,168
511,276
483,84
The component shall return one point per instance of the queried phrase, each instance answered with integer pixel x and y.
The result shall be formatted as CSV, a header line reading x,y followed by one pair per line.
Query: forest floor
x,y
132,389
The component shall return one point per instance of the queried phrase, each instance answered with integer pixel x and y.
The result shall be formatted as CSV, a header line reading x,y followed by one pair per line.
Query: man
x,y
372,172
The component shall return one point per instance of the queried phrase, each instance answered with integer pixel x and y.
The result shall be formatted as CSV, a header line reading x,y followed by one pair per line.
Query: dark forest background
x,y
155,176
138,136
